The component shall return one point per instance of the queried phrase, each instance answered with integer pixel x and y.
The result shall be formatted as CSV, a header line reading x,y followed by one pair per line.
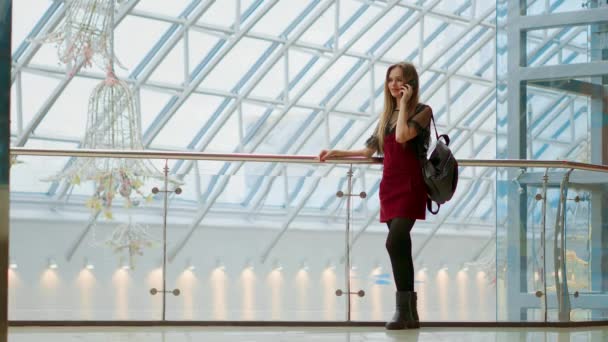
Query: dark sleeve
x,y
421,120
372,141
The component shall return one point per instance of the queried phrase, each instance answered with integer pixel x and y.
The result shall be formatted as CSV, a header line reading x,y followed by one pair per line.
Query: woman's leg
x,y
399,247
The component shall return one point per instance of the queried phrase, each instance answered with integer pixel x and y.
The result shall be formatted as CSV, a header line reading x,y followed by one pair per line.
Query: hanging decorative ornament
x,y
113,123
83,38
129,240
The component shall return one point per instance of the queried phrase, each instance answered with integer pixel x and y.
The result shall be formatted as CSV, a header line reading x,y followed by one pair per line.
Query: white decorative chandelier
x,y
113,123
129,239
84,36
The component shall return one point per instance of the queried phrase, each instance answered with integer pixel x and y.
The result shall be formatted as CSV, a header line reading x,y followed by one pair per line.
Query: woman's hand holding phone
x,y
406,92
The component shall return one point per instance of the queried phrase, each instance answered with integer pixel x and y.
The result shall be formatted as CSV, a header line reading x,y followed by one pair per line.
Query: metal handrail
x,y
306,159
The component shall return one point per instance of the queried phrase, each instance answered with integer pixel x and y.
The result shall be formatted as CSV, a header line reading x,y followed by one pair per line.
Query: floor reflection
x,y
296,334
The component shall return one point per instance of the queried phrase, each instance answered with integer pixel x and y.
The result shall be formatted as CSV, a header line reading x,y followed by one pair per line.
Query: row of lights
x,y
53,265
219,265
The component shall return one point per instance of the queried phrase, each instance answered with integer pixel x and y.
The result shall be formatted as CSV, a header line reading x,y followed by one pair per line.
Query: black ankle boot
x,y
403,317
414,307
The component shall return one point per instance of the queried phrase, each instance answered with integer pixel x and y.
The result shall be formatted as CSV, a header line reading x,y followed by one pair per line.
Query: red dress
x,y
402,188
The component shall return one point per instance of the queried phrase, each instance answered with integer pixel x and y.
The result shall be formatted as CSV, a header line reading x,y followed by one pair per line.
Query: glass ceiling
x,y
253,76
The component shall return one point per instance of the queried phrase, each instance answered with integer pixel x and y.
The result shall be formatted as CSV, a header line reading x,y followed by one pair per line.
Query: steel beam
x,y
570,18
516,142
563,71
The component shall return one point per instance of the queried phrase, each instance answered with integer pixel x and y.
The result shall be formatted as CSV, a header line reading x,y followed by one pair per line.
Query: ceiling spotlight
x,y
52,264
219,264
125,265
88,265
249,264
189,266
277,266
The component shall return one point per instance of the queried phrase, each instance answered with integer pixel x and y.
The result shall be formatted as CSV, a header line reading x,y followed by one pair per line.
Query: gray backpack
x,y
440,172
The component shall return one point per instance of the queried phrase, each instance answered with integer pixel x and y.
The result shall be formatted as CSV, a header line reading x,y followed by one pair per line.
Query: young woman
x,y
402,136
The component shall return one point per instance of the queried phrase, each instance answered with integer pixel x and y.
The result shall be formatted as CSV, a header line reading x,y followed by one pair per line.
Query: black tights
x,y
399,247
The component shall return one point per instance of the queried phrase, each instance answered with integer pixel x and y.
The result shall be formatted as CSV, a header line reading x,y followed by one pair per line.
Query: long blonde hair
x,y
409,74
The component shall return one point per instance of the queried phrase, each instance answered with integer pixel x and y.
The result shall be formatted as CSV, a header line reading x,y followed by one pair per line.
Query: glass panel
x,y
559,116
259,241
560,45
79,249
252,241
565,45
576,287
453,252
519,248
532,267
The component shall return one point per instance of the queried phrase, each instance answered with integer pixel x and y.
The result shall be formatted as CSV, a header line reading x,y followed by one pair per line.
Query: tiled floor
x,y
272,334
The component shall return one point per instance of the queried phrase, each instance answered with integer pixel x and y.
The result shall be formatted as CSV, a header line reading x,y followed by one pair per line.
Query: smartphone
x,y
412,82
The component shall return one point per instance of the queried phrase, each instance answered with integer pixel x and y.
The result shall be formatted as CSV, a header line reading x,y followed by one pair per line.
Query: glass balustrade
x,y
258,240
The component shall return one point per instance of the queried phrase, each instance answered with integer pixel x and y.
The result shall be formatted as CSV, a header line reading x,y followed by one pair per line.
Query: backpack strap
x,y
435,125
444,136
429,206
